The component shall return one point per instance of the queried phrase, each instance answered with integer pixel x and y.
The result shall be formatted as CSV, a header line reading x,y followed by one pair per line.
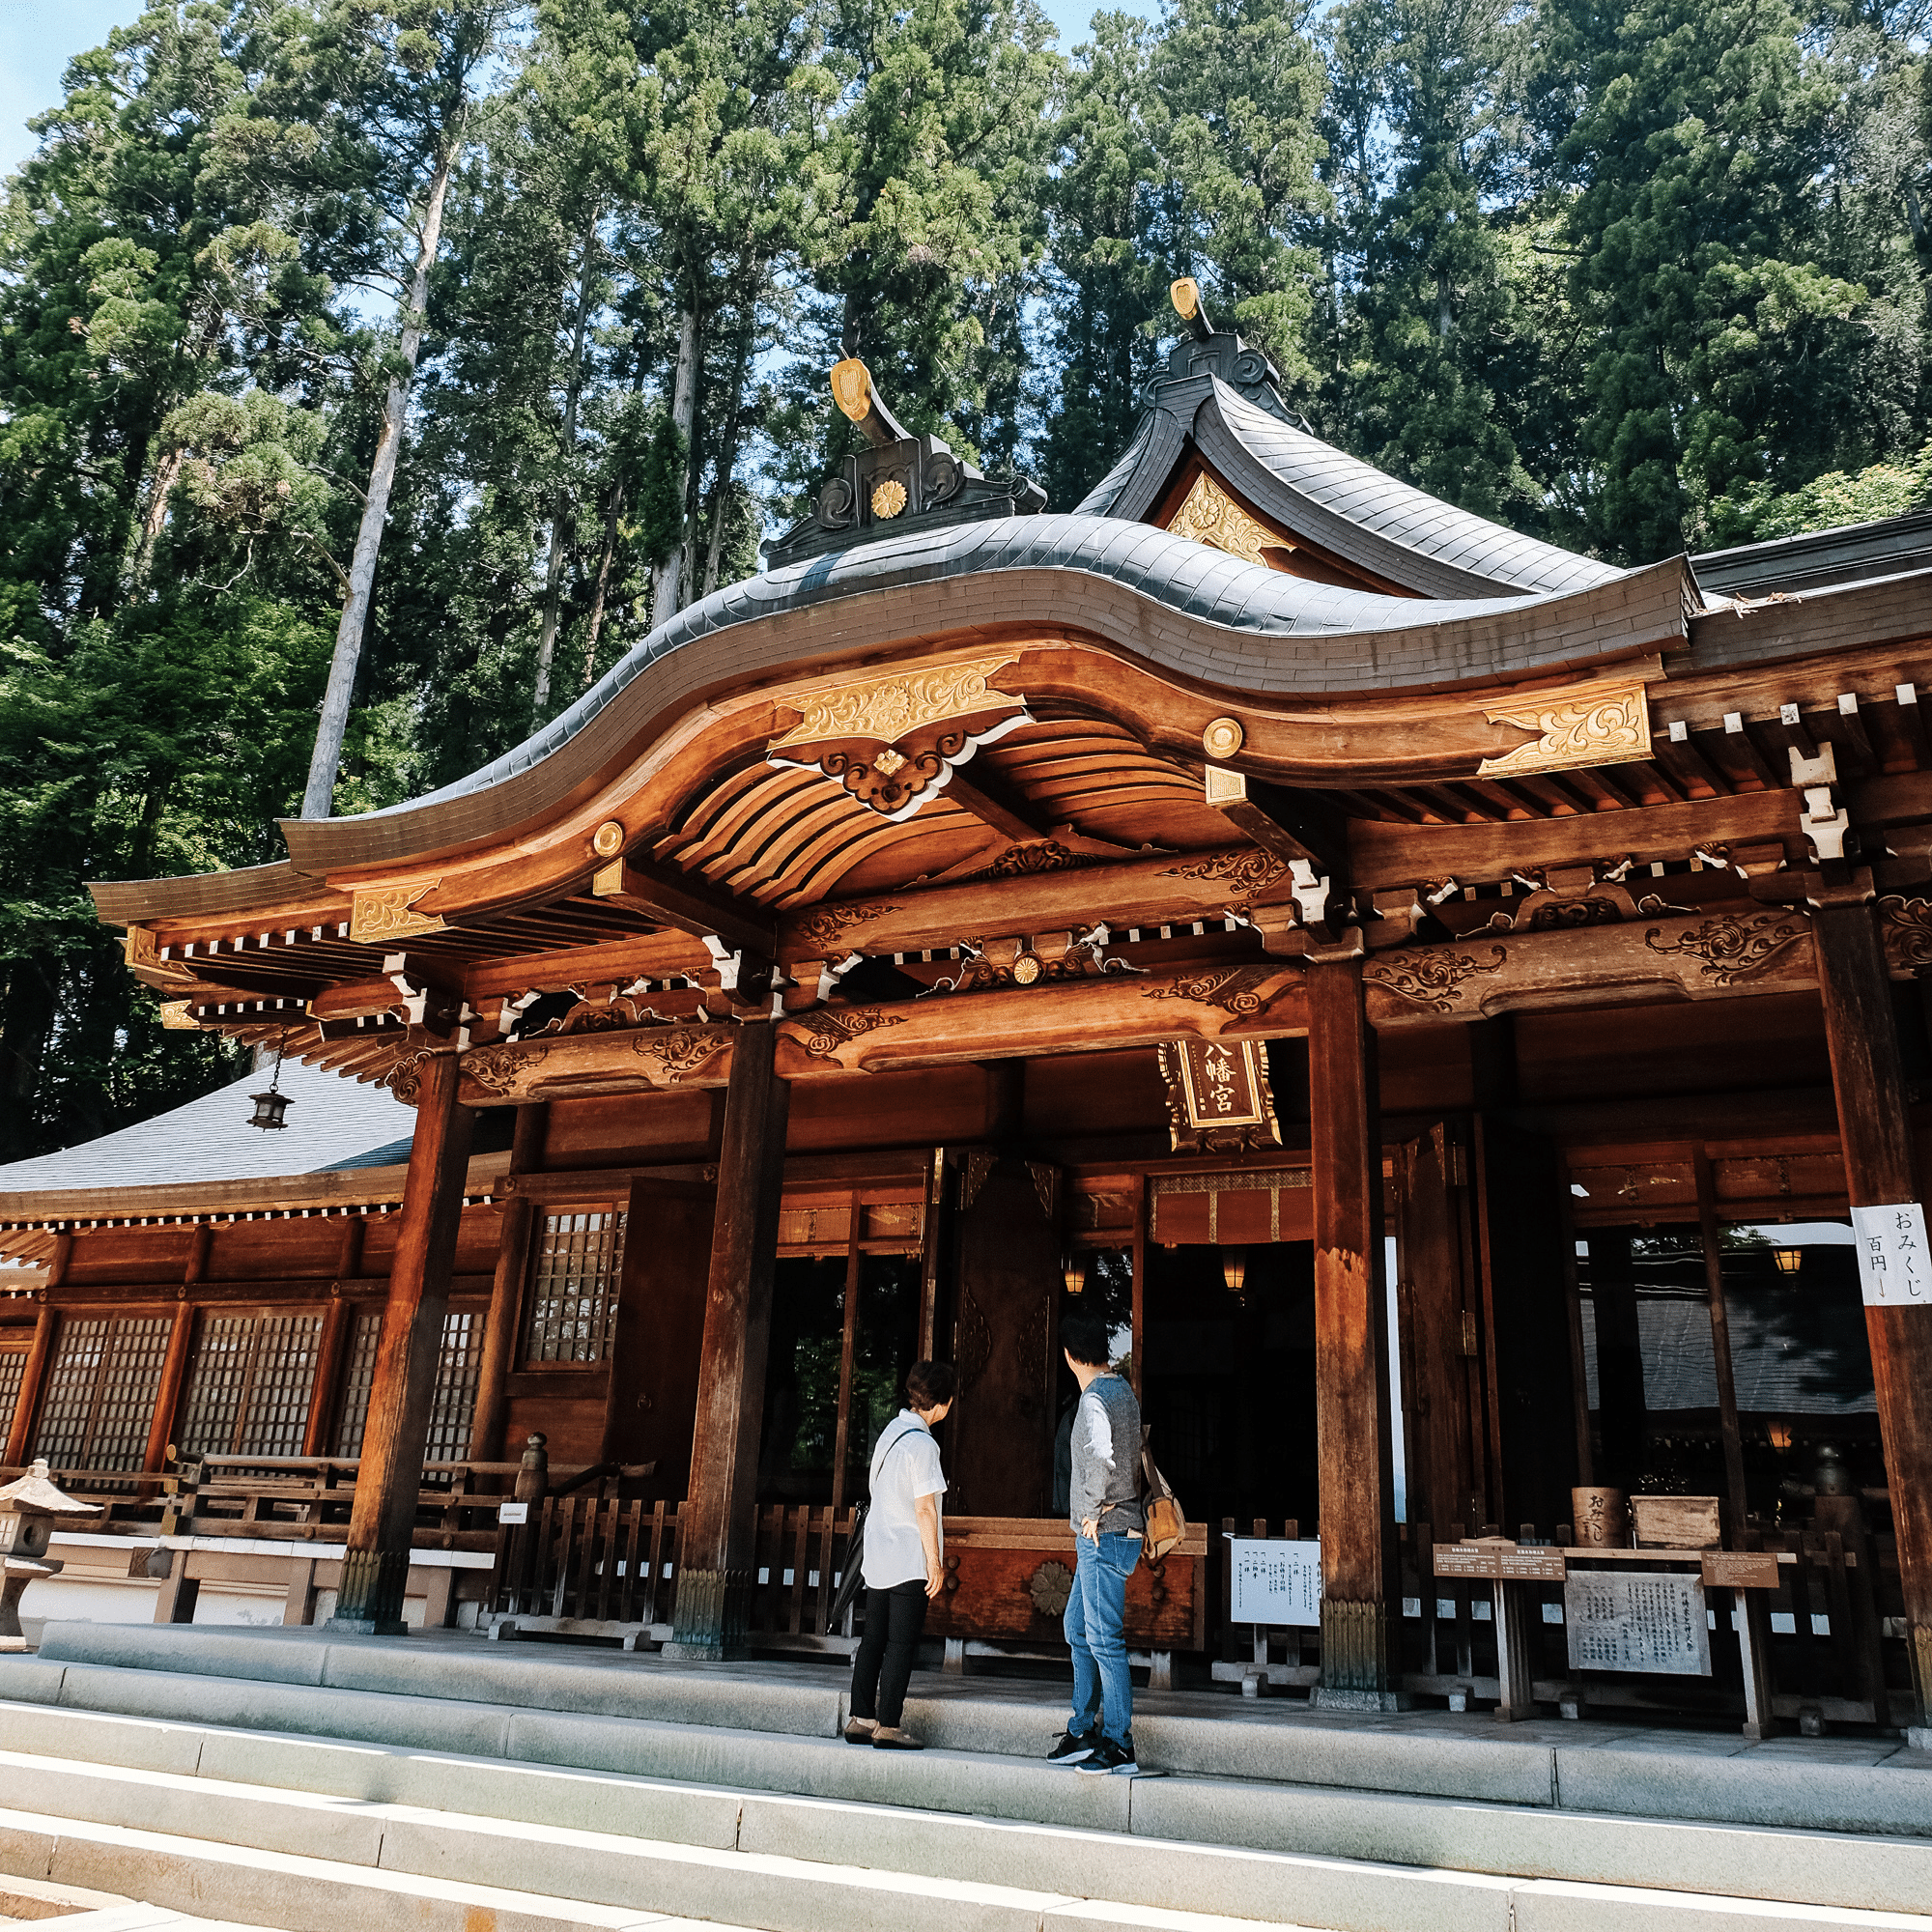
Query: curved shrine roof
x,y
1347,507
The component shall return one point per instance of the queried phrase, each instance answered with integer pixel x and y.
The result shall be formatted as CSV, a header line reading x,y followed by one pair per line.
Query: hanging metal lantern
x,y
270,1107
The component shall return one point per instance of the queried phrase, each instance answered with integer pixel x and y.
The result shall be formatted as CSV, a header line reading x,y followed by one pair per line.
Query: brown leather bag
x,y
1166,1524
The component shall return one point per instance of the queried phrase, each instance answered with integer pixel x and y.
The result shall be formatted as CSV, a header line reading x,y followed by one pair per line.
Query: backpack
x,y
1166,1524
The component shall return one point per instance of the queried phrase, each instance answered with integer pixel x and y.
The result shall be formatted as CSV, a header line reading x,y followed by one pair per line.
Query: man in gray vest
x,y
1105,1511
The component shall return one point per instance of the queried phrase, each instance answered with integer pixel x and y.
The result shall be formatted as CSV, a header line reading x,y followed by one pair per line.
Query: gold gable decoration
x,y
1603,722
1208,515
377,914
891,741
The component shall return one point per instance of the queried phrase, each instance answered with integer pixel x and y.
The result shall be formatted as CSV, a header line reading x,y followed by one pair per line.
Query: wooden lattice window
x,y
358,1379
572,1308
13,1373
452,1408
249,1386
100,1392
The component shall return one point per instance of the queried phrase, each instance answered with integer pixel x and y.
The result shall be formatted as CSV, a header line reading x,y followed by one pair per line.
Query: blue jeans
x,y
1096,1609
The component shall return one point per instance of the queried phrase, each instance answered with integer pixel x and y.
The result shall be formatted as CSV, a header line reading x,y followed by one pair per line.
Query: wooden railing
x,y
595,1566
292,1499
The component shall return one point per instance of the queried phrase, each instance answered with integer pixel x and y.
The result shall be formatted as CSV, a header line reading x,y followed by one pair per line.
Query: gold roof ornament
x,y
898,475
858,401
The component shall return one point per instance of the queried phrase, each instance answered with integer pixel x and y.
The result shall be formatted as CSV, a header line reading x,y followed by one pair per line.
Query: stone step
x,y
391,1865
1333,1857
527,1871
249,1886
538,1703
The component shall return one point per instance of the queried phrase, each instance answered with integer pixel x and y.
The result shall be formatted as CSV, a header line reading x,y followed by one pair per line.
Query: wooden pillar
x,y
318,1429
33,1379
527,1137
842,1441
181,1340
715,1529
1623,1430
931,1252
1143,1205
1351,1420
333,1351
1875,1133
382,1526
499,1329
1720,1348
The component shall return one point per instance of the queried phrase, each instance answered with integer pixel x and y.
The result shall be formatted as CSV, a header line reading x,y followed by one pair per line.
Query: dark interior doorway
x,y
1228,1379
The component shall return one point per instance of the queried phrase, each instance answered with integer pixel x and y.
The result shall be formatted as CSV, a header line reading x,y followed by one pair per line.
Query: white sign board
x,y
1894,1271
1277,1581
1652,1620
513,1512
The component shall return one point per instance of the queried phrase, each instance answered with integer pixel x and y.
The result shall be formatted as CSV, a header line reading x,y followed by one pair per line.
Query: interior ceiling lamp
x,y
270,1107
1074,1274
1789,1260
1235,1271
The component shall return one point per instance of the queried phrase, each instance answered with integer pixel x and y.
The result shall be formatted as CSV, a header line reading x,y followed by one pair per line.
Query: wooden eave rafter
x,y
1111,736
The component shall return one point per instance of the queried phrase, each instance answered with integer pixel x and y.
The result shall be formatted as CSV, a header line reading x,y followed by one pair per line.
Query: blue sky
x,y
38,38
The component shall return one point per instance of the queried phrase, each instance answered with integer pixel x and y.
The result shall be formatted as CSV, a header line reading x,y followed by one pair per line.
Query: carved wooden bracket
x,y
1603,722
379,914
892,741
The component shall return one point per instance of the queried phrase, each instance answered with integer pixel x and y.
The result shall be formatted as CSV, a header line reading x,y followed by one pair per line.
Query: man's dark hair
x,y
929,1383
1084,1336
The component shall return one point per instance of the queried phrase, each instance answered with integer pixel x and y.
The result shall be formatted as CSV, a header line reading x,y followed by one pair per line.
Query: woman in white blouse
x,y
902,1559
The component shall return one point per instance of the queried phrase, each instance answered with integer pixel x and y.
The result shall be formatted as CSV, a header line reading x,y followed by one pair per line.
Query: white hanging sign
x,y
1894,1267
513,1513
1277,1581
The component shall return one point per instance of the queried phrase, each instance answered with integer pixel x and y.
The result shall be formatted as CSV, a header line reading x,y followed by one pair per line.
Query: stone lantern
x,y
29,1509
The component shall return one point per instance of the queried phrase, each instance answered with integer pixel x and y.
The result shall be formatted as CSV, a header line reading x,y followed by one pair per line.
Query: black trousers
x,y
883,1667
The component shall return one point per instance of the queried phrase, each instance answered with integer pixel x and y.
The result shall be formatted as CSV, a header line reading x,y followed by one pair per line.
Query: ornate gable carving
x,y
893,741
1208,515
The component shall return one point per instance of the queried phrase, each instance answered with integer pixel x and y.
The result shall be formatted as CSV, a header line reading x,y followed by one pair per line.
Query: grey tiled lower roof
x,y
333,1123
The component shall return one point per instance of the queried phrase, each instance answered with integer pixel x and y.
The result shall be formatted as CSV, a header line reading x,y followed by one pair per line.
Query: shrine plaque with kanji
x,y
1650,1621
1894,1270
1223,1083
1277,1581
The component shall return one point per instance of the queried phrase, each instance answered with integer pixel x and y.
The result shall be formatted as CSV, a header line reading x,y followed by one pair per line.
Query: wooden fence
x,y
594,1565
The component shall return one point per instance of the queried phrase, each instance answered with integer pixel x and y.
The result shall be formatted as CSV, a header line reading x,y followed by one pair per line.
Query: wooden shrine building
x,y
1189,902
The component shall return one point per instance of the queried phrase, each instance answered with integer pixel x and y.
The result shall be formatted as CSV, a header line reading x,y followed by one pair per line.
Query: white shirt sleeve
x,y
1099,1430
928,1477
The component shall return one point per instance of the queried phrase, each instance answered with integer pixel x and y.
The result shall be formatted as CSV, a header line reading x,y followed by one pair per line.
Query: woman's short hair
x,y
929,1383
1085,1338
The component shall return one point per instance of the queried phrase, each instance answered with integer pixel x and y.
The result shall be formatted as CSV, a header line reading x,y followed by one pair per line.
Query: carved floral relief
x,y
1733,947
1604,723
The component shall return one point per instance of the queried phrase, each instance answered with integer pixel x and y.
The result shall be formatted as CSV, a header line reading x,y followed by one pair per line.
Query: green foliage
x,y
1828,502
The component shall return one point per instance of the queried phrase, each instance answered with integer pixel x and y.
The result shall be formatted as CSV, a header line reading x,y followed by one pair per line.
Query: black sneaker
x,y
1109,1758
1073,1748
